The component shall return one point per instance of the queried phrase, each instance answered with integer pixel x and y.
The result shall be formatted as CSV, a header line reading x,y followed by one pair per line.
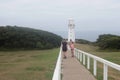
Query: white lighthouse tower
x,y
71,32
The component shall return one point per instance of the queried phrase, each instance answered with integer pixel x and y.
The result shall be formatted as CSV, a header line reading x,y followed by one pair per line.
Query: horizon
x,y
89,35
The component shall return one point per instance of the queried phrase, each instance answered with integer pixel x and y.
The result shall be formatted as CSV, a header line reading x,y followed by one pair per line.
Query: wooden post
x,y
88,62
105,74
95,67
83,59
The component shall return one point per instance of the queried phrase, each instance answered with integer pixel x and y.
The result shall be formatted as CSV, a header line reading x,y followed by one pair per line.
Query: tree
x,y
108,41
27,38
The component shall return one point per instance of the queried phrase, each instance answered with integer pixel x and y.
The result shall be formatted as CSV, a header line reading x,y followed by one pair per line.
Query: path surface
x,y
73,70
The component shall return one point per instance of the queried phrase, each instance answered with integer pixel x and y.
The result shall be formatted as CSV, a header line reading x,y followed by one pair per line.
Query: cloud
x,y
54,12
57,5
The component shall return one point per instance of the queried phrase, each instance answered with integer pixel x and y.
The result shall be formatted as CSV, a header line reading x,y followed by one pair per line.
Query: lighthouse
x,y
71,32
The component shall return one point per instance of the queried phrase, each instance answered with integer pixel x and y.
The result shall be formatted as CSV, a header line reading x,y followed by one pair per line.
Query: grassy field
x,y
28,65
108,55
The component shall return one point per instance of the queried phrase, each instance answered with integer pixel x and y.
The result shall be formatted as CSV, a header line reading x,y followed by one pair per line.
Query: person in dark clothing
x,y
64,48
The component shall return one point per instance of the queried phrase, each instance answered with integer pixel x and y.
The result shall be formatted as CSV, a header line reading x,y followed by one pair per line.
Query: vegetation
x,y
105,42
82,41
28,65
13,37
110,56
108,41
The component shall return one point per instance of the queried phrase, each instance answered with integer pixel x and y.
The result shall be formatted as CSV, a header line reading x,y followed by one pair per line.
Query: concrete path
x,y
73,70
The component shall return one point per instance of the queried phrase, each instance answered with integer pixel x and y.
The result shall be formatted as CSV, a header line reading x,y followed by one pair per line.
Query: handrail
x,y
81,55
57,71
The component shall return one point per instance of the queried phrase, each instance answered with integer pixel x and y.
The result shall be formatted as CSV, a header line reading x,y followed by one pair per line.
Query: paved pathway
x,y
73,70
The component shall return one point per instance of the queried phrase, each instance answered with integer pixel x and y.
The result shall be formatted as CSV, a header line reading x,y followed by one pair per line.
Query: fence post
x,y
105,74
80,57
95,67
84,59
77,55
88,62
75,52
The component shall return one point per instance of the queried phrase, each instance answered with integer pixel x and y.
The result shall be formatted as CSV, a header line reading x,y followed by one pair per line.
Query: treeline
x,y
104,41
83,41
108,41
13,37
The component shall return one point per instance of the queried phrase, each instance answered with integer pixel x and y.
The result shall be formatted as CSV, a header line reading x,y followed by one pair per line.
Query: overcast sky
x,y
97,16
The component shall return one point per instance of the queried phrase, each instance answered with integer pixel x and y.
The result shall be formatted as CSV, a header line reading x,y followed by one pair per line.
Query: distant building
x,y
71,32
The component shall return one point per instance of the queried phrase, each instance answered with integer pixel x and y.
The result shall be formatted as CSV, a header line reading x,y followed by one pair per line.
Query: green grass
x,y
108,55
28,65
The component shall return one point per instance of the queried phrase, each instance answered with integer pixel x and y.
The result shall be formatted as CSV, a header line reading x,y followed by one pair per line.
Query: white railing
x,y
81,55
57,71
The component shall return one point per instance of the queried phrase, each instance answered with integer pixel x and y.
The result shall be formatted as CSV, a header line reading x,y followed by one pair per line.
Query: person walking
x,y
72,47
64,48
